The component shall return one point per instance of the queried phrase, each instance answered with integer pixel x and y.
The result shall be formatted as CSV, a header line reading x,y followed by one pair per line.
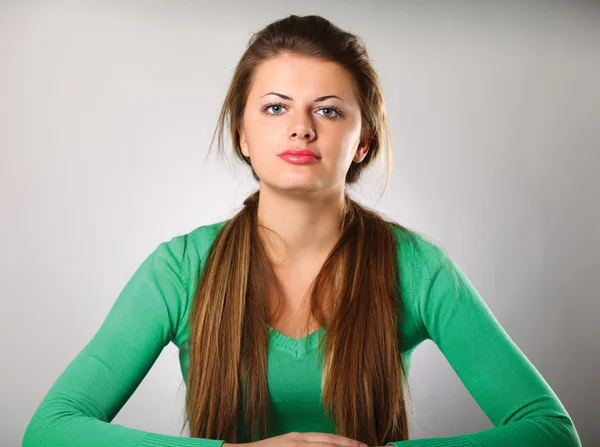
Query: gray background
x,y
107,110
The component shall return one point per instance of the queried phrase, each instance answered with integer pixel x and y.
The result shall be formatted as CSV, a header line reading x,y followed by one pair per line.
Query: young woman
x,y
296,318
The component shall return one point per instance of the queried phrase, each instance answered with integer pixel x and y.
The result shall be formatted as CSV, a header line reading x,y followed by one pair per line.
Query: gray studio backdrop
x,y
107,110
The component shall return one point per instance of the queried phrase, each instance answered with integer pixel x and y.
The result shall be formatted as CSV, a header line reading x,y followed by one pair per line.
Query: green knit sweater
x,y
439,303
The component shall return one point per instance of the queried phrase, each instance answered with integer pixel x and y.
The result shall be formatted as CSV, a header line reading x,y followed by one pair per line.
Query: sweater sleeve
x,y
502,380
79,407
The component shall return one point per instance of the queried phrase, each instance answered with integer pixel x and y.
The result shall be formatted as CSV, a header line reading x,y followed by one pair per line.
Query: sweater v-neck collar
x,y
297,347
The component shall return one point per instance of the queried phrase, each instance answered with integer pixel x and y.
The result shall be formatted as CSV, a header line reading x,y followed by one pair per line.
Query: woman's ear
x,y
361,151
243,141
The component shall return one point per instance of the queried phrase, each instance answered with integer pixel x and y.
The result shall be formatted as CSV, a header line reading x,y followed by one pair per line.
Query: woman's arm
x,y
80,405
505,384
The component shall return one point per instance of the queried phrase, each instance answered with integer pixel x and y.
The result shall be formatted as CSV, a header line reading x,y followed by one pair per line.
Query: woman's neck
x,y
305,227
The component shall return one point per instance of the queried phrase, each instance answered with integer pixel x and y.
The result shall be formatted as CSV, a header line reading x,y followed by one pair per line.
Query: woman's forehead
x,y
302,78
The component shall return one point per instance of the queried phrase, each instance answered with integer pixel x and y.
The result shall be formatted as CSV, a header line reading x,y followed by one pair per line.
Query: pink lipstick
x,y
299,156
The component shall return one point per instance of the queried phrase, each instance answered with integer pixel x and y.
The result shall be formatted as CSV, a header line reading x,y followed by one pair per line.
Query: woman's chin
x,y
296,187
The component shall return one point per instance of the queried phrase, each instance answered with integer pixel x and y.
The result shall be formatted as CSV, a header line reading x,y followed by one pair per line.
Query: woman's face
x,y
297,102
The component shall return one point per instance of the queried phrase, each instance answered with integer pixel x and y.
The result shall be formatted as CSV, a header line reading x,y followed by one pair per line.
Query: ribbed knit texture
x,y
438,303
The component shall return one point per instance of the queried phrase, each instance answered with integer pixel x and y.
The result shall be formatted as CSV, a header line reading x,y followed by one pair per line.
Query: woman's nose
x,y
307,132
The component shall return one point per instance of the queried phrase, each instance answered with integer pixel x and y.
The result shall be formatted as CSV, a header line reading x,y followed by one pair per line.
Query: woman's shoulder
x,y
421,260
185,255
195,243
203,236
417,249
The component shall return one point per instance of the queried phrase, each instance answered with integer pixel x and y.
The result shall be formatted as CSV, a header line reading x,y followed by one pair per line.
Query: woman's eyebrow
x,y
289,98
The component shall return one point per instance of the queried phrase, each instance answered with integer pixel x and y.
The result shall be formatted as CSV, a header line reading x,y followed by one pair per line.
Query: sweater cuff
x,y
158,440
454,441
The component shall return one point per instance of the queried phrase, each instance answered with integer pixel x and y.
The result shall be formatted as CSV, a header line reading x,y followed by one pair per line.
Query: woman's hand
x,y
311,439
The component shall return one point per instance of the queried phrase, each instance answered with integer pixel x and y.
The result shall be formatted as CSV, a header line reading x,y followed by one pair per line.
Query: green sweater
x,y
439,303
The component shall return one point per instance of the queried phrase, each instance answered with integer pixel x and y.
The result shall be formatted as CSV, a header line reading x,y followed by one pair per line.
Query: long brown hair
x,y
228,345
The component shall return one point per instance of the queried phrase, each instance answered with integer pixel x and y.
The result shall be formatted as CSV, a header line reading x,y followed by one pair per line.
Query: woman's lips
x,y
299,156
298,159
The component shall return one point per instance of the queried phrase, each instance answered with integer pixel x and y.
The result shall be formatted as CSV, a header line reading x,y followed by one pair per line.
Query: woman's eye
x,y
330,112
275,108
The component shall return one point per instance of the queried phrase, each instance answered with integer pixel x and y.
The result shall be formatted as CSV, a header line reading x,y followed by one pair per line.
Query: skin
x,y
303,204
